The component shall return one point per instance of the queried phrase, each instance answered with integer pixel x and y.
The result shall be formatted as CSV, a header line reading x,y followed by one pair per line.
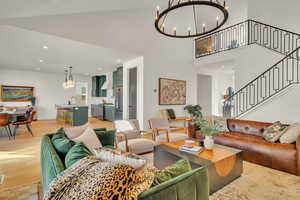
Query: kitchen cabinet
x,y
97,83
72,115
110,112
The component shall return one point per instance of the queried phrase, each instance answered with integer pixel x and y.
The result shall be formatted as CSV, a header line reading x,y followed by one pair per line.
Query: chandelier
x,y
69,80
216,12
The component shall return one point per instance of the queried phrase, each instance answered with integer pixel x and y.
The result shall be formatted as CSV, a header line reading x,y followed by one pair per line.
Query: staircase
x,y
271,82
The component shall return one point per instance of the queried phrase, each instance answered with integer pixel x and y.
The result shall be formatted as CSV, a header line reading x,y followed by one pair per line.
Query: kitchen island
x,y
74,115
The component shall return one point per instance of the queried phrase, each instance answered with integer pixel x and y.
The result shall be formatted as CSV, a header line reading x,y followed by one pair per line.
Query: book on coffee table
x,y
195,149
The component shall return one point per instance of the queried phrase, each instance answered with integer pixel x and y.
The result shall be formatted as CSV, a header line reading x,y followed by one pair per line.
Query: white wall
x,y
251,62
48,88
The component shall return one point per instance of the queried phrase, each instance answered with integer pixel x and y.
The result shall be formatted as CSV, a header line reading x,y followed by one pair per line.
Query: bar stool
x,y
4,122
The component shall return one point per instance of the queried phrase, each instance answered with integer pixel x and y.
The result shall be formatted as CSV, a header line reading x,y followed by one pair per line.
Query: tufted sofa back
x,y
247,127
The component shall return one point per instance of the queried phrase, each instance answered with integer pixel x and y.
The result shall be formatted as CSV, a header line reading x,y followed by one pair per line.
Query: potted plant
x,y
208,128
194,111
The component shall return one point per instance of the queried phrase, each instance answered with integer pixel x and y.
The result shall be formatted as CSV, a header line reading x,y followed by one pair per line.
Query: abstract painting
x,y
16,93
172,92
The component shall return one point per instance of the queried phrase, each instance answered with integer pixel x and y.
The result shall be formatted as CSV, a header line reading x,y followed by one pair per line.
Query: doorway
x,y
204,93
132,106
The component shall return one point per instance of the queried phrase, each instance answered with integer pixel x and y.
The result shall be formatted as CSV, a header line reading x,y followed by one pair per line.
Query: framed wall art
x,y
16,93
172,92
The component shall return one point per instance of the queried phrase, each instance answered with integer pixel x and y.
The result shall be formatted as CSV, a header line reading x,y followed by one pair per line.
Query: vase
x,y
209,142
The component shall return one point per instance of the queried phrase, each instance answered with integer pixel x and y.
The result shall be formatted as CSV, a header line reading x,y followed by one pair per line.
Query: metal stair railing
x,y
271,82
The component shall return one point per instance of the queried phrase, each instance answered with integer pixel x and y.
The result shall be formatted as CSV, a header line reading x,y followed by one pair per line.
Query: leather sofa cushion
x,y
248,127
257,150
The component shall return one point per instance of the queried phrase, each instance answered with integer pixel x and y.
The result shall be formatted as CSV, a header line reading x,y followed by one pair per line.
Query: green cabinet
x,y
97,83
117,79
110,112
75,116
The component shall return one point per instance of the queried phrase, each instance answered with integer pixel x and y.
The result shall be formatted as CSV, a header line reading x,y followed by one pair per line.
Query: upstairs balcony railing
x,y
275,79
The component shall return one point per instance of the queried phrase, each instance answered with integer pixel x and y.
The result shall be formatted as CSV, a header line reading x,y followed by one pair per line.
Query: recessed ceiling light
x,y
41,60
45,47
38,68
100,68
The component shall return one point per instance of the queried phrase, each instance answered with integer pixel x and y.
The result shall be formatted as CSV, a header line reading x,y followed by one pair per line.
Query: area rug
x,y
261,183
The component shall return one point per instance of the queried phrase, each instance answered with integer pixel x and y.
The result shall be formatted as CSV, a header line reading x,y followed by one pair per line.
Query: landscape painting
x,y
172,92
16,93
204,46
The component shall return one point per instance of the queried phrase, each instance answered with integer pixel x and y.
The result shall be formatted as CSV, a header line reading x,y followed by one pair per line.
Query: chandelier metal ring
x,y
164,13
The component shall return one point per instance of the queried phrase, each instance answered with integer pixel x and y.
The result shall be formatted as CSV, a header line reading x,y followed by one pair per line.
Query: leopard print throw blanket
x,y
92,179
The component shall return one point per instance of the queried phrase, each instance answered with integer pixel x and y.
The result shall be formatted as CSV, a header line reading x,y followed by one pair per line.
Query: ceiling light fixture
x,y
45,47
41,60
69,79
200,28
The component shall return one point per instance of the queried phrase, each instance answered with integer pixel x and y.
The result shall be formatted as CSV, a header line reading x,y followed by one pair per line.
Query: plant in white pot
x,y
208,128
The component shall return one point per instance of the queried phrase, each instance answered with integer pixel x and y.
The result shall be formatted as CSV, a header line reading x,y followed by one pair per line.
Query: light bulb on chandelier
x,y
163,16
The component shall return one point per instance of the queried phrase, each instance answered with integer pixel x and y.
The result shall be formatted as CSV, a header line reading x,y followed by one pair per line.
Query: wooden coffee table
x,y
224,164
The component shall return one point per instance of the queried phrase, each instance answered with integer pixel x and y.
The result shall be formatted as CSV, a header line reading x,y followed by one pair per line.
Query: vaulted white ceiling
x,y
86,34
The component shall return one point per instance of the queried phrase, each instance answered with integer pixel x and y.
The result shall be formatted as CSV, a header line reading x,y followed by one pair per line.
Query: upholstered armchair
x,y
129,137
162,131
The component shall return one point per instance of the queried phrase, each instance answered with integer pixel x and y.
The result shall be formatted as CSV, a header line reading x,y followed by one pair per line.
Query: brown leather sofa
x,y
247,136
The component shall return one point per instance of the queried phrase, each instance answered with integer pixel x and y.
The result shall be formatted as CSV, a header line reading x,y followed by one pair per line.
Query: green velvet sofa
x,y
189,186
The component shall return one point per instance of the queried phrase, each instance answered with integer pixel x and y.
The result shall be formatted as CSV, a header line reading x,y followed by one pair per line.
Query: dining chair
x,y
129,137
4,122
29,116
162,131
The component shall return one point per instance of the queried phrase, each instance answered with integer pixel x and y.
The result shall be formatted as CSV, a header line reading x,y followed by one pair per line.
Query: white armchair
x,y
129,137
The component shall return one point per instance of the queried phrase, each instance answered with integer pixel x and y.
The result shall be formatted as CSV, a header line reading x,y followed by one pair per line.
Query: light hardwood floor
x,y
20,158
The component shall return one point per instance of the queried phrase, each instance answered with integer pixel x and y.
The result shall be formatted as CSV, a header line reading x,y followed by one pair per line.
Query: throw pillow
x,y
180,167
171,113
77,152
220,123
89,138
74,132
274,132
61,143
116,157
142,181
291,134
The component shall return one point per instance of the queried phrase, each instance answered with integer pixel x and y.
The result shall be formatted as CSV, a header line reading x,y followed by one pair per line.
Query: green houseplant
x,y
195,111
208,128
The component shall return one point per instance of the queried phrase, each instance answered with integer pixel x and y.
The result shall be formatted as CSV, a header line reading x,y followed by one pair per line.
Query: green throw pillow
x,y
77,152
180,167
61,143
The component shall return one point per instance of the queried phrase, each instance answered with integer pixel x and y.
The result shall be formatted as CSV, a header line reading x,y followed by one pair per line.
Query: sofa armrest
x,y
51,164
192,185
298,155
298,144
107,138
